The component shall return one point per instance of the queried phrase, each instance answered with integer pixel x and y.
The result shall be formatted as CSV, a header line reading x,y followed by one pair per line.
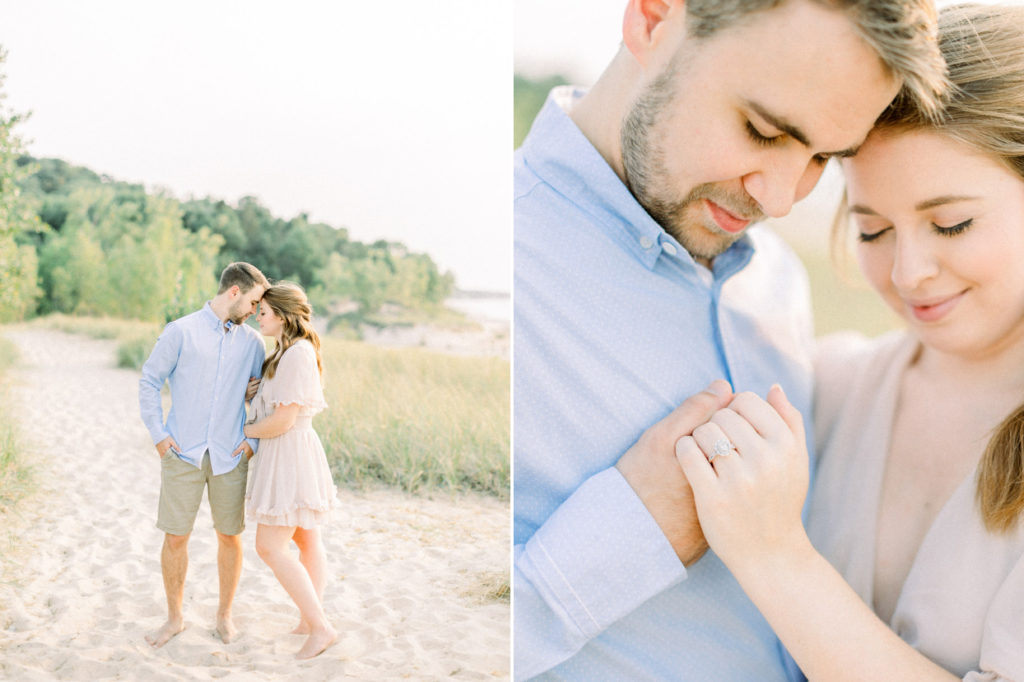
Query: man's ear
x,y
643,24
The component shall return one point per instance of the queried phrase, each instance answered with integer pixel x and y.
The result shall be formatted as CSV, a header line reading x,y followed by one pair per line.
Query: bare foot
x,y
226,629
301,629
317,643
169,629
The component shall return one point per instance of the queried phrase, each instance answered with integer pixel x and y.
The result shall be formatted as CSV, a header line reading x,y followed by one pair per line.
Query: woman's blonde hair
x,y
983,46
289,302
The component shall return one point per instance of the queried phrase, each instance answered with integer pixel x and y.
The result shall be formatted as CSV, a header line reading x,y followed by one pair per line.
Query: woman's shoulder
x,y
299,348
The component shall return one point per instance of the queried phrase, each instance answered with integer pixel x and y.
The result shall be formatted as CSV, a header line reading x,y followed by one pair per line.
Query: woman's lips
x,y
724,219
934,309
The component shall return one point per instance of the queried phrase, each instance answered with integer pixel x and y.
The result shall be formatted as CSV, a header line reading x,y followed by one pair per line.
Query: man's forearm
x,y
577,575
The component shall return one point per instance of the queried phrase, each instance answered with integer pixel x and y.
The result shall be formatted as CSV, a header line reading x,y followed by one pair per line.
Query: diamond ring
x,y
721,448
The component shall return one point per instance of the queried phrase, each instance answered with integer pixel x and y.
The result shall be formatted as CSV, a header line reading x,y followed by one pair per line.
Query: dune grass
x,y
16,479
408,418
415,420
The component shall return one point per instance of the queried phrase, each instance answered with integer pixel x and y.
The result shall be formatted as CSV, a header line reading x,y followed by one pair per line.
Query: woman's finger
x,y
759,414
738,430
790,415
699,472
714,443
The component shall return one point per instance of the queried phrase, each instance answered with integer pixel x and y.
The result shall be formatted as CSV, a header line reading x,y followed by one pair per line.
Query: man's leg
x,y
181,489
229,569
227,505
174,565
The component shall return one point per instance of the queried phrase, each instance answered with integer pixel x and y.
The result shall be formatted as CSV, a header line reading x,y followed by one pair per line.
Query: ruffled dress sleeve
x,y
297,380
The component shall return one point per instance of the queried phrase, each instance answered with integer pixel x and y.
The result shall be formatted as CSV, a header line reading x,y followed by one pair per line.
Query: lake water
x,y
497,307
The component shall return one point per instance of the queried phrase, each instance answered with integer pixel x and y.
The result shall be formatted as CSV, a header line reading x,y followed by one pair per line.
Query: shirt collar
x,y
558,152
215,321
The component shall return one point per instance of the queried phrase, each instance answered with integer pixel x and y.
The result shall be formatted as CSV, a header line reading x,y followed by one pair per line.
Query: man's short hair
x,y
244,275
902,32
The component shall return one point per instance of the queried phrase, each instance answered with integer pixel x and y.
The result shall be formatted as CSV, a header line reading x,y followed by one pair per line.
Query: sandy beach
x,y
80,577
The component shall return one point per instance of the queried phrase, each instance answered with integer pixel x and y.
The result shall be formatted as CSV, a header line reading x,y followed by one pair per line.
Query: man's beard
x,y
645,172
237,314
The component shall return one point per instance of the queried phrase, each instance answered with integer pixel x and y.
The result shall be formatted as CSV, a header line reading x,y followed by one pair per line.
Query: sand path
x,y
83,576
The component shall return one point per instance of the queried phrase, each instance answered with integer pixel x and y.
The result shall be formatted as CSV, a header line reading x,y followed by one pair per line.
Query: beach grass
x,y
415,420
403,417
16,480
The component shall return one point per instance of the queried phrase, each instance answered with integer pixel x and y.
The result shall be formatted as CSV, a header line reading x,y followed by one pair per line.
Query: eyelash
x,y
951,231
765,141
760,139
865,238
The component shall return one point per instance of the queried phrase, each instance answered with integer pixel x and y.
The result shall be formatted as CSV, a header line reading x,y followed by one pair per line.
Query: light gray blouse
x,y
962,604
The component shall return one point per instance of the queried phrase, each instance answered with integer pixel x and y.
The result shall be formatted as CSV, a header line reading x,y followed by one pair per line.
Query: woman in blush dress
x,y
912,567
290,491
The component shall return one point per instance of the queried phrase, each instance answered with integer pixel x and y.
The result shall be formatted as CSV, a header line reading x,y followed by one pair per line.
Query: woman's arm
x,y
749,503
275,423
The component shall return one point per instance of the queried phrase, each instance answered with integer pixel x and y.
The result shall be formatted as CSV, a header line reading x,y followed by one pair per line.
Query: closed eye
x,y
870,237
762,140
954,229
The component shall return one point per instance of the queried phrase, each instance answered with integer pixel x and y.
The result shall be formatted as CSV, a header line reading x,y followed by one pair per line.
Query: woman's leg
x,y
313,556
272,546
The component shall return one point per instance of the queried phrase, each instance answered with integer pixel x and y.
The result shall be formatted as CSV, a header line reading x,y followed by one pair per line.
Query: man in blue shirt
x,y
207,358
640,279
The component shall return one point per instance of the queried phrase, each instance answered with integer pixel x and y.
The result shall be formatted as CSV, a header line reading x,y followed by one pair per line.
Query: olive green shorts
x,y
181,491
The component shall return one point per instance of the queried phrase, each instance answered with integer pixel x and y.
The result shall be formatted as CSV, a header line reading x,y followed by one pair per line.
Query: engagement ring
x,y
721,448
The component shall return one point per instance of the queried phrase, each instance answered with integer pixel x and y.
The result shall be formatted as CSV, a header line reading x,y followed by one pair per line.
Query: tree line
x,y
76,242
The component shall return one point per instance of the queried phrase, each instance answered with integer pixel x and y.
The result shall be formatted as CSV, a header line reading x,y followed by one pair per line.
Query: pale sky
x,y
393,120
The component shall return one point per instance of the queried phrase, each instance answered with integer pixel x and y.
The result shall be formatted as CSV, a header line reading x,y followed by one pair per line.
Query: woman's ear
x,y
644,23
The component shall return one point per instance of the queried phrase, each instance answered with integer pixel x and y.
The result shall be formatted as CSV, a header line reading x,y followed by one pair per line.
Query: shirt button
x,y
646,242
669,249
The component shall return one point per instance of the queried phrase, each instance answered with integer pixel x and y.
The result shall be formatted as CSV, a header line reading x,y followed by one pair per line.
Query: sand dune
x,y
81,578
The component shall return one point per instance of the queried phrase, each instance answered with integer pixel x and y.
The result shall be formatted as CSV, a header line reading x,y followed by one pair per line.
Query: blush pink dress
x,y
290,481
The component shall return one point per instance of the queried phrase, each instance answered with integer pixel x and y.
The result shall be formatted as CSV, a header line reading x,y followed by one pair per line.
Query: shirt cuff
x,y
600,555
158,436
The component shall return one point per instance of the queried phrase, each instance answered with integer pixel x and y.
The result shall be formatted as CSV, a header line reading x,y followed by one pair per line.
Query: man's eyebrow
x,y
788,128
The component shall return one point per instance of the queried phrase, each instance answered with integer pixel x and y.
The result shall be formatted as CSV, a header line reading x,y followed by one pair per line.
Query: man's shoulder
x,y
252,334
188,320
524,178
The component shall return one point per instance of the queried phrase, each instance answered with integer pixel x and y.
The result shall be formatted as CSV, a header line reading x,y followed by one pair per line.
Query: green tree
x,y
124,253
18,262
527,99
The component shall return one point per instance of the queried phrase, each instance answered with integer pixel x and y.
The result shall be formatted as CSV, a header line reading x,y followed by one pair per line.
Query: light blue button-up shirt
x,y
615,325
208,369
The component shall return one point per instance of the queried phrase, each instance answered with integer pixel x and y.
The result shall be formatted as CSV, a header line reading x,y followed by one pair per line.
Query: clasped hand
x,y
749,499
744,503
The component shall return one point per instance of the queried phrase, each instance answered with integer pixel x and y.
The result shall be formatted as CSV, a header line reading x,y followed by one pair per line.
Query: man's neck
x,y
599,113
220,307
